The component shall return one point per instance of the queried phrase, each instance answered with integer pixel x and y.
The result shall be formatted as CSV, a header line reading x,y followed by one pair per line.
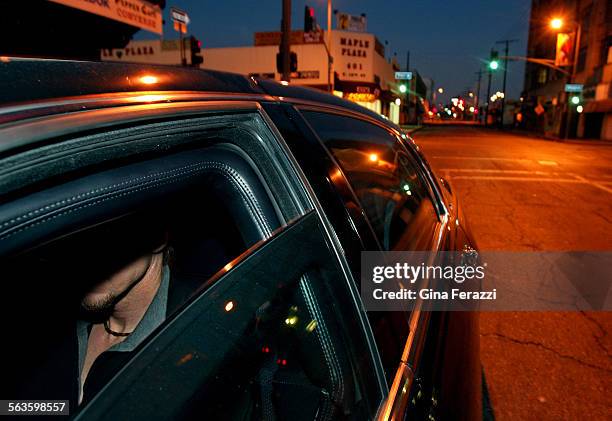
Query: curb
x,y
413,130
588,142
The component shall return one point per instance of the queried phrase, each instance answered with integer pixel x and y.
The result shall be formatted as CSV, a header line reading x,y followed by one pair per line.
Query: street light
x,y
440,90
556,23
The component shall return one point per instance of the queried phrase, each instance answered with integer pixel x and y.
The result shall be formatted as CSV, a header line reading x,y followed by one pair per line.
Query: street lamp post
x,y
571,79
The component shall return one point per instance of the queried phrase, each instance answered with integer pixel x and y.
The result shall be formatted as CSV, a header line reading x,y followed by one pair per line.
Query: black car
x,y
267,195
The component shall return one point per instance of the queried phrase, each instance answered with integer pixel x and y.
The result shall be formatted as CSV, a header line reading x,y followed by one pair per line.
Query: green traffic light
x,y
403,88
493,65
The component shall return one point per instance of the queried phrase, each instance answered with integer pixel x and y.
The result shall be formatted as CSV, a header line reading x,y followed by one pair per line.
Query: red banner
x,y
565,49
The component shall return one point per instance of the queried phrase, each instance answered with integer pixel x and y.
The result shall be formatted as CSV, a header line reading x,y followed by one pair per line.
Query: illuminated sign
x,y
360,97
565,49
403,75
138,13
573,87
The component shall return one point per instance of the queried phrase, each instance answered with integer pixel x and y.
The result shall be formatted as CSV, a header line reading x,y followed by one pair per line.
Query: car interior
x,y
210,206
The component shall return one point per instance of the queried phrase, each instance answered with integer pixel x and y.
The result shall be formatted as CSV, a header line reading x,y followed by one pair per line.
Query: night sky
x,y
448,39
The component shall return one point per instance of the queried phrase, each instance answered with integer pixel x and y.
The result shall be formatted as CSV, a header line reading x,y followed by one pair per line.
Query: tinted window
x,y
395,199
385,178
152,234
145,236
268,340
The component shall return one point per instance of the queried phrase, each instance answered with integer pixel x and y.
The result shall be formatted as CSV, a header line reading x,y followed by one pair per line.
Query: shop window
x,y
542,76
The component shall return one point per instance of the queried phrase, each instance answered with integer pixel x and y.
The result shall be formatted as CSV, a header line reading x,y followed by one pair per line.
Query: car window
x,y
266,339
395,198
143,237
387,181
153,233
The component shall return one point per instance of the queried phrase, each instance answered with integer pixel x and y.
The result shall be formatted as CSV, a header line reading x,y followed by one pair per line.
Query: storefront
x,y
360,72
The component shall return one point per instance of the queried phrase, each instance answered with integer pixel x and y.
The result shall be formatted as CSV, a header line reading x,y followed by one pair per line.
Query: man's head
x,y
109,261
98,304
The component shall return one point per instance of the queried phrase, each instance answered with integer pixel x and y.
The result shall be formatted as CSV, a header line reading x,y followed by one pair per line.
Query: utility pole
x,y
409,87
488,98
570,79
285,47
330,61
477,99
503,104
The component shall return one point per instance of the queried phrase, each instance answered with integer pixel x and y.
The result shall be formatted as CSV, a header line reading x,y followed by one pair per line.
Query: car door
x,y
437,353
261,318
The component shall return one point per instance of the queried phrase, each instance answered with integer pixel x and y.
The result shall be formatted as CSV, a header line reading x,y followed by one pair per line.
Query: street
x,y
520,194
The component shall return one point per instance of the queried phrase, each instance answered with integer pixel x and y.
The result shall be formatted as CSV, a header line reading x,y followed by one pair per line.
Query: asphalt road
x,y
519,194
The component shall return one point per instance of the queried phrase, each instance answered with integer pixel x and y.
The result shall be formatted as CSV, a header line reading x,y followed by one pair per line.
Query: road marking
x,y
594,184
483,158
550,163
576,180
544,180
481,170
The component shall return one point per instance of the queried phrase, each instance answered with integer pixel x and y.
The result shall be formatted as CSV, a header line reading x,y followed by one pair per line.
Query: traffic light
x,y
494,60
310,23
196,48
403,88
293,64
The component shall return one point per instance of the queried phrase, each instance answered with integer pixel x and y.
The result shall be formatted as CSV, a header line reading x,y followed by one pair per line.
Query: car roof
x,y
25,80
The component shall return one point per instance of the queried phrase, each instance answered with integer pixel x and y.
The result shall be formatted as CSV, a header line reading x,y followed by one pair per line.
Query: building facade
x,y
548,106
359,71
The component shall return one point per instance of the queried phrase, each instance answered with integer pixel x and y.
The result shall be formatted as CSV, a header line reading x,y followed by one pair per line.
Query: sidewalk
x,y
520,132
410,129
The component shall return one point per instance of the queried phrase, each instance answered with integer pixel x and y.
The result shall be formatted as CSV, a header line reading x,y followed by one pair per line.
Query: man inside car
x,y
127,302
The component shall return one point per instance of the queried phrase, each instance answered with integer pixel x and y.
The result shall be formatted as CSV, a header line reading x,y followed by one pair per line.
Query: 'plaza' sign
x,y
354,56
354,47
